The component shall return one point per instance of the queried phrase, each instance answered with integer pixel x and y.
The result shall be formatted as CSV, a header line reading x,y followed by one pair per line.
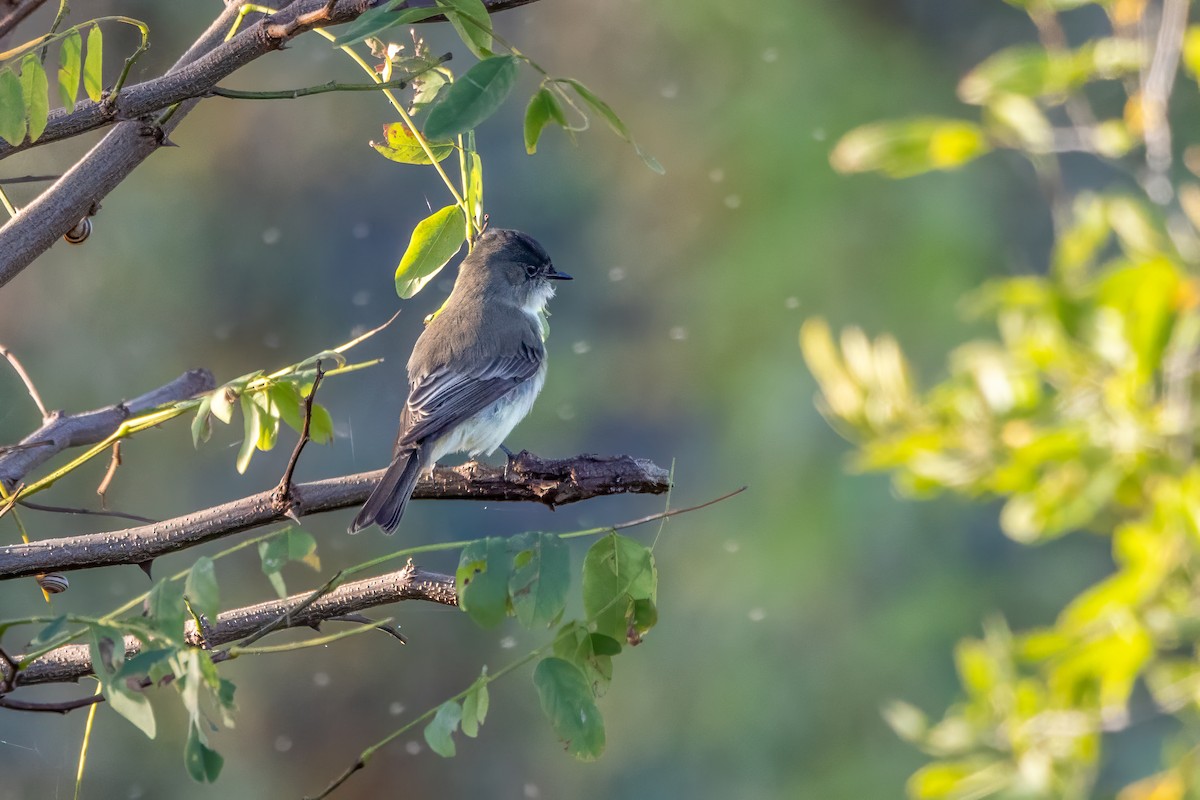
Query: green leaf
x,y
106,645
540,579
482,580
615,122
132,705
427,85
568,703
438,733
435,241
290,544
93,78
475,706
251,434
543,109
268,420
69,58
12,108
142,663
1033,71
472,98
377,20
591,652
203,763
475,186
402,146
201,590
616,572
222,403
36,90
320,427
473,23
202,422
165,607
903,148
49,632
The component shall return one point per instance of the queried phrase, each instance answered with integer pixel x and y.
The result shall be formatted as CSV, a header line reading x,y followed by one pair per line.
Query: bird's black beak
x,y
554,275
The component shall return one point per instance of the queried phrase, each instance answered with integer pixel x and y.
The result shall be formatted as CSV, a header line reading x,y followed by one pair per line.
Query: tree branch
x,y
40,224
527,478
72,662
20,10
60,431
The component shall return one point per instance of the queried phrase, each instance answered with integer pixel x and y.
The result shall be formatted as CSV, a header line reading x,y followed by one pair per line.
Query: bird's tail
x,y
386,504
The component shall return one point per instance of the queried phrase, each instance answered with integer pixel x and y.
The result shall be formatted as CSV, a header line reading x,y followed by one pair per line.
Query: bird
x,y
475,370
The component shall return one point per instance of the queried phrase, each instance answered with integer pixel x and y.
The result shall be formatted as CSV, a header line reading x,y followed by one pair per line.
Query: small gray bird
x,y
475,369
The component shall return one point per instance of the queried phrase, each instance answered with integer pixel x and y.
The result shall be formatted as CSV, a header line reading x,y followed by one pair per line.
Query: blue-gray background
x,y
789,615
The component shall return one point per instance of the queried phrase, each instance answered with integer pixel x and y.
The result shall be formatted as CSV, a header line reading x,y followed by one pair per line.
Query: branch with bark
x,y
527,477
72,662
60,431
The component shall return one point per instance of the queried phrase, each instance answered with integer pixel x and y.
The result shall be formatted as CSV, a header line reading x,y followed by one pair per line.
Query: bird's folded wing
x,y
439,401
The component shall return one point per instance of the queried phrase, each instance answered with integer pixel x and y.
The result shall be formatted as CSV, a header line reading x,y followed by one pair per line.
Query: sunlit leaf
x,y
93,78
474,97
402,146
69,59
133,706
12,108
909,147
435,241
475,706
35,89
1033,71
250,418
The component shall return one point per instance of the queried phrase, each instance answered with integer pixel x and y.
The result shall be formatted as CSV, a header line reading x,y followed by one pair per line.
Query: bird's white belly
x,y
487,430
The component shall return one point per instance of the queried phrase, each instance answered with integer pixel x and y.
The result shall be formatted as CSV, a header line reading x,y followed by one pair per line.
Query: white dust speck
x,y
272,341
581,347
357,331
819,134
136,792
508,643
732,546
532,791
282,744
396,709
756,614
321,679
272,236
792,303
770,55
361,298
566,412
678,333
361,230
223,331
412,747
716,174
733,201
669,91
616,274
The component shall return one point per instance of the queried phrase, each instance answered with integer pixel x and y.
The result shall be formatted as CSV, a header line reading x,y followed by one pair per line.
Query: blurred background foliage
x,y
790,616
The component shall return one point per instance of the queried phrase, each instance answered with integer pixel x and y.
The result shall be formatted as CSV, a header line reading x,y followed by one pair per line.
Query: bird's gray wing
x,y
441,399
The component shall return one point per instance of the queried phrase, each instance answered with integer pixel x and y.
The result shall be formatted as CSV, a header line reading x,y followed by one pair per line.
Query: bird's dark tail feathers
x,y
386,504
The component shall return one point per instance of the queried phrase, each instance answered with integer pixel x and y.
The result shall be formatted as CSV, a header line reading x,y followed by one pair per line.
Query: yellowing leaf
x,y
909,147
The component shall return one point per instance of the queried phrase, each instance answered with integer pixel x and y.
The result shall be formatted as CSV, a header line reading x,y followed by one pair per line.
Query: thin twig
x,y
30,179
83,511
109,474
24,376
292,94
283,492
53,708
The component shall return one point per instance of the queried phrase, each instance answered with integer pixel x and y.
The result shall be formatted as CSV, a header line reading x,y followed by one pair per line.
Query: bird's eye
x,y
531,271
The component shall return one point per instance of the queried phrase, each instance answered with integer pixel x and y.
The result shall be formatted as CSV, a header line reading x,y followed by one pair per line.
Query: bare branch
x,y
72,662
61,431
527,478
